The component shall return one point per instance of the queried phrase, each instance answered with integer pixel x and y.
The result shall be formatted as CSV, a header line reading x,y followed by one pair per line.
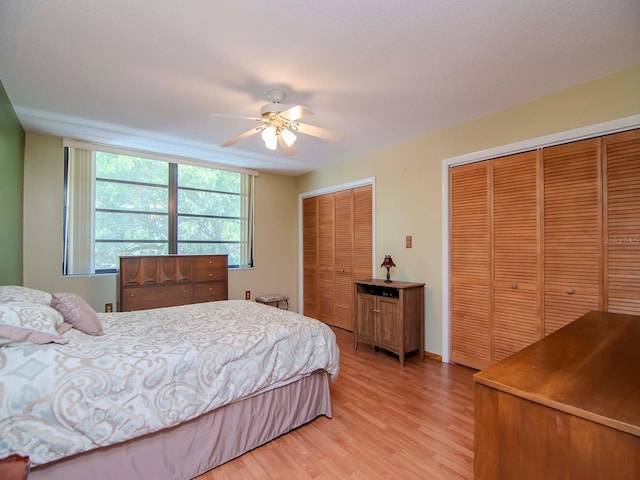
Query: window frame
x,y
173,188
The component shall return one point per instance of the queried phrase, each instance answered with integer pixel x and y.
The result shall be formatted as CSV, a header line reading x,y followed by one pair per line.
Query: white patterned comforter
x,y
151,370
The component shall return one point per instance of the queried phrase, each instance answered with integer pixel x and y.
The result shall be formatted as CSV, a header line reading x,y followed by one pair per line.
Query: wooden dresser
x,y
567,406
168,280
390,316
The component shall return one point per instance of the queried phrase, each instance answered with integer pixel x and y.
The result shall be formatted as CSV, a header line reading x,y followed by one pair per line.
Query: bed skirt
x,y
192,448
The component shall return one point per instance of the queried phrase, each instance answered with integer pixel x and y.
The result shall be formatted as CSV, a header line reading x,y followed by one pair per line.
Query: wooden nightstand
x,y
390,316
14,467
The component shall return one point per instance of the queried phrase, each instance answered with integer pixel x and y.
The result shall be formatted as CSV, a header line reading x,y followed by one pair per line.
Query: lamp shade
x,y
269,137
288,136
388,262
268,133
271,143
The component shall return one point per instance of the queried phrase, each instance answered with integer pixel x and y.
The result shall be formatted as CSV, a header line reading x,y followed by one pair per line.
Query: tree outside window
x,y
126,205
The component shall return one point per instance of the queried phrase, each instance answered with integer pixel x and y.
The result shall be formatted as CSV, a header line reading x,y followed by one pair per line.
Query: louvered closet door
x,y
344,290
516,318
572,232
337,246
326,258
470,265
622,222
362,232
310,256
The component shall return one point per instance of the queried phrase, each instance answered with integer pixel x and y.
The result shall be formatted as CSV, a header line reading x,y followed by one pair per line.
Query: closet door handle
x,y
570,291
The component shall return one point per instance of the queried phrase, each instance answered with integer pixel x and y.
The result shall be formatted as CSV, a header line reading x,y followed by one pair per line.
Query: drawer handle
x,y
210,262
211,274
571,291
132,295
514,285
376,311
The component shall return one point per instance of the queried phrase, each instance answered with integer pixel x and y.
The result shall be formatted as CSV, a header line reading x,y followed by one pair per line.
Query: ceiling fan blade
x,y
296,113
288,151
320,132
223,115
242,136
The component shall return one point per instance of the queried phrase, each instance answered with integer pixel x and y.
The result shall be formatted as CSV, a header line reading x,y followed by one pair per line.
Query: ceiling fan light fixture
x,y
288,136
269,137
271,144
268,134
279,125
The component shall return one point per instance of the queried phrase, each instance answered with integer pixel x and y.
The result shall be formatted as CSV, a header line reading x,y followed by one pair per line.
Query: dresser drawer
x,y
138,271
209,268
210,292
142,298
174,269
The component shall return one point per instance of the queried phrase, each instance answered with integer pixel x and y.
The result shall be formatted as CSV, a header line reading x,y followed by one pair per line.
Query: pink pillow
x,y
77,312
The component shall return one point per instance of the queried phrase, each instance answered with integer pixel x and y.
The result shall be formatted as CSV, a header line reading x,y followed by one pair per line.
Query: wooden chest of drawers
x,y
563,407
168,280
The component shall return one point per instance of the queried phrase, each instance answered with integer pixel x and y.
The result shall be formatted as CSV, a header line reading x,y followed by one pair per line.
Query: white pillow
x,y
15,293
29,322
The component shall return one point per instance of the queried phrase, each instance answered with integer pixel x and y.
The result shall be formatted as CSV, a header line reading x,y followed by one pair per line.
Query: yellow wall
x,y
408,198
275,233
409,175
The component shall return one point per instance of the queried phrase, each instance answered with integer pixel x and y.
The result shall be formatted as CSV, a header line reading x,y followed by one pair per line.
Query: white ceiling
x,y
146,74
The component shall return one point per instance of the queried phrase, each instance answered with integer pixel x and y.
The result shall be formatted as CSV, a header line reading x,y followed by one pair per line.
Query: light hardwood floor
x,y
388,422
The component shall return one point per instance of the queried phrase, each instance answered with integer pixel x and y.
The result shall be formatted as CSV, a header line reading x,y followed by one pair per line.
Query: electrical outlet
x,y
409,241
247,295
108,307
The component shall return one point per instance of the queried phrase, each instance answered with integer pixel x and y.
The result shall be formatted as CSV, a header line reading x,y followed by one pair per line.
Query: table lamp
x,y
388,263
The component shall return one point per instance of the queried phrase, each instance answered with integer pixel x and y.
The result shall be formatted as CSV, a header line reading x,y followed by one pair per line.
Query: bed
x,y
162,393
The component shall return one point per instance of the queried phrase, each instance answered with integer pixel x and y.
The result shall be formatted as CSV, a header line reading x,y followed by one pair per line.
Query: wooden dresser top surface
x,y
393,284
589,368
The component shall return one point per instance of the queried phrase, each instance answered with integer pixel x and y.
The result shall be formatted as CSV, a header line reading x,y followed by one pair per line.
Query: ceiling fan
x,y
279,125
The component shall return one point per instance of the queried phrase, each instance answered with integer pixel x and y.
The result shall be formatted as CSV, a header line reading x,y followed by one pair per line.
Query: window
x,y
121,204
